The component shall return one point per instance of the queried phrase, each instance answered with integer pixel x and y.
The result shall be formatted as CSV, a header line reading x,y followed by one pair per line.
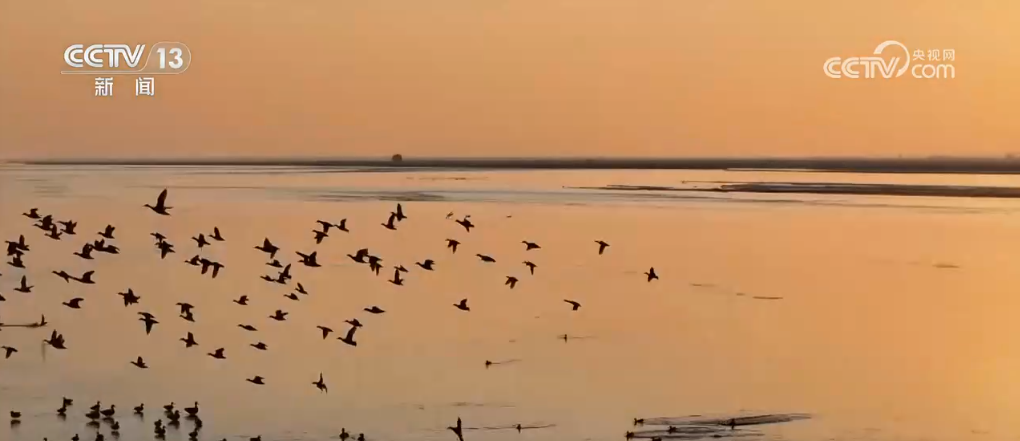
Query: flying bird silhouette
x,y
325,331
602,246
279,316
309,260
8,351
466,223
531,266
268,248
243,300
485,258
25,288
573,303
426,265
463,306
530,245
651,274
140,363
321,384
512,281
375,310
107,233
74,303
400,213
129,297
389,224
86,278
216,235
161,207
349,338
189,341
149,320
256,380
200,240
319,235
457,430
218,354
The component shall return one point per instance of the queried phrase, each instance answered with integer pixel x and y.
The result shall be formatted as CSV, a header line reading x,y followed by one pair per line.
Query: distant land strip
x,y
1008,165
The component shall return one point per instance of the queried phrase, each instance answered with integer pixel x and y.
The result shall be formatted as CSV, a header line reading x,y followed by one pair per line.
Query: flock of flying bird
x,y
16,250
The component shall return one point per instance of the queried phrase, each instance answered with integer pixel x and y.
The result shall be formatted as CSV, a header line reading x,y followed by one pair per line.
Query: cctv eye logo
x,y
164,58
893,66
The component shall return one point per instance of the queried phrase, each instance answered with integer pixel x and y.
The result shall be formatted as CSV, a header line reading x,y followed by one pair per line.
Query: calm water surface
x,y
896,317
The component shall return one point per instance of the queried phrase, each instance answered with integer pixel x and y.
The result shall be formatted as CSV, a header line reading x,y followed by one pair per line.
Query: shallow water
x,y
881,317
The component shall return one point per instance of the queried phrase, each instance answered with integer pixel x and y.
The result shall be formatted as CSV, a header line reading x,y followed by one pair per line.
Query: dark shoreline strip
x,y
855,165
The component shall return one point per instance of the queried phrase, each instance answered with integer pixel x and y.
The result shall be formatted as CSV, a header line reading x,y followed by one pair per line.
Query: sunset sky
x,y
511,78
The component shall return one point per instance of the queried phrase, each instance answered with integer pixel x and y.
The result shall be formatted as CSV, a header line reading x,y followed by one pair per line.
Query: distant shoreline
x,y
848,165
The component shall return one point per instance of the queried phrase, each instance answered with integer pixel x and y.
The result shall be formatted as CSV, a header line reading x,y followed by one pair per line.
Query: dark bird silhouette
x,y
401,268
360,255
426,265
389,223
2,298
85,253
192,411
486,258
56,340
161,207
140,409
321,384
247,327
279,316
268,248
129,297
458,430
512,281
53,233
396,278
109,412
257,380
101,246
25,288
292,296
218,354
349,338
33,213
158,236
61,412
463,306
63,275
46,223
309,260
19,245
243,301
651,274
531,266
275,264
8,351
530,245
185,307
353,322
260,346
188,316
325,331
301,289
342,226
189,341
86,278
167,409
325,225
319,235
140,363
216,235
69,227
466,223
573,303
93,415
200,240
216,266
195,260
74,303
108,232
149,320
164,249
285,274
375,310
602,246
400,213
17,262
15,415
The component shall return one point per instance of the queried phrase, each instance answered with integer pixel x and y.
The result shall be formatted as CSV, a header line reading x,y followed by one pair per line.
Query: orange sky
x,y
511,78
